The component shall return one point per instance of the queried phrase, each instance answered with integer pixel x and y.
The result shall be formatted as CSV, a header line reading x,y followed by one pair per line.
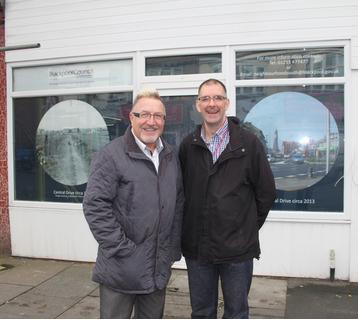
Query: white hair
x,y
147,93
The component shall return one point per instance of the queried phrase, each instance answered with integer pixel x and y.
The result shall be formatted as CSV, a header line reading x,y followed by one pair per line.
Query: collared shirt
x,y
218,141
153,156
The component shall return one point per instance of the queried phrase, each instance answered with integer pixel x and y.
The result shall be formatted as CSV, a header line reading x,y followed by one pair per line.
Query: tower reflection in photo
x,y
300,135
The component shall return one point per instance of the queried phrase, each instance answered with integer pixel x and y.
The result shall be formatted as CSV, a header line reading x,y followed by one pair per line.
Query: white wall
x,y
302,249
51,233
352,173
293,249
67,28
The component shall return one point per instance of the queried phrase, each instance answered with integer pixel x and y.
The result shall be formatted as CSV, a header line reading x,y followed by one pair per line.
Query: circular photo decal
x,y
67,136
300,135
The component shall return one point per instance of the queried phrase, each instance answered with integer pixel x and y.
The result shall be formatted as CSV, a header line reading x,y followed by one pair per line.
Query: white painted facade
x,y
294,244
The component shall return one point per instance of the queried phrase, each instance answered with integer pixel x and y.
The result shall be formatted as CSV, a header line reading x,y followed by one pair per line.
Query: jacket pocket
x,y
133,272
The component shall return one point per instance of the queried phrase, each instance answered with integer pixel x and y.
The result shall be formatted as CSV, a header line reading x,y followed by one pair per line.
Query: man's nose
x,y
211,102
151,119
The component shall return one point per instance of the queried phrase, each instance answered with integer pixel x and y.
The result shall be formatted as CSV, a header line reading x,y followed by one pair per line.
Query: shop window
x,y
186,64
300,126
55,138
56,134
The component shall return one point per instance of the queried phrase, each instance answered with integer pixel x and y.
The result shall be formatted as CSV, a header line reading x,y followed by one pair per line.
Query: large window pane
x,y
190,64
181,119
293,63
302,129
55,137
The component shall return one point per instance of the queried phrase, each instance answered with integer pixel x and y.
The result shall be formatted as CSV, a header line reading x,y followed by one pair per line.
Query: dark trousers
x,y
117,305
203,286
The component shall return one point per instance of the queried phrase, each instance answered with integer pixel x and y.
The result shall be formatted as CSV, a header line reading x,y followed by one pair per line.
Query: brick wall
x,y
4,198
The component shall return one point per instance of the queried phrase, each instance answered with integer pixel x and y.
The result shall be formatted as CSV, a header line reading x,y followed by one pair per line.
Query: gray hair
x,y
148,93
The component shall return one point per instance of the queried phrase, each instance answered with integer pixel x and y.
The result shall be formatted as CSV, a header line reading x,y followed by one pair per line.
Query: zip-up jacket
x,y
135,215
226,202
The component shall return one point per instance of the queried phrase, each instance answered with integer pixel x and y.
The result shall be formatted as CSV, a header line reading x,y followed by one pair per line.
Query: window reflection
x,y
188,64
302,130
67,136
55,138
181,119
301,138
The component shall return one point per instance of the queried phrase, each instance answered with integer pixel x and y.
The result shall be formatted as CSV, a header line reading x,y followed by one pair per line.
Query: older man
x,y
133,205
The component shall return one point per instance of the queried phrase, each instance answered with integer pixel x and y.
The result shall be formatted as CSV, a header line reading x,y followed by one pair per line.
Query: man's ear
x,y
227,104
197,107
130,116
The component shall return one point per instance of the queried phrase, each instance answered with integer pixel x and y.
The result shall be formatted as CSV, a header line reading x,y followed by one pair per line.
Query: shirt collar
x,y
220,133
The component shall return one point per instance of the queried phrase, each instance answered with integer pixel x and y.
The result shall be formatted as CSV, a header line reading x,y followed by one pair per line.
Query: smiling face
x,y
213,111
148,130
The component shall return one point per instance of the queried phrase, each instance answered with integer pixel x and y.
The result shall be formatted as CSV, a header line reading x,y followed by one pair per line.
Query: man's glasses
x,y
147,115
207,99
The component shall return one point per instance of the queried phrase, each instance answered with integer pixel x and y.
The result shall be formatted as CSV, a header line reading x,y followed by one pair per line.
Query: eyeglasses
x,y
147,115
207,99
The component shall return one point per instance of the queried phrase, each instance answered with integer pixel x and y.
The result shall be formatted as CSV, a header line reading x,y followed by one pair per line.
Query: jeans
x,y
116,305
203,286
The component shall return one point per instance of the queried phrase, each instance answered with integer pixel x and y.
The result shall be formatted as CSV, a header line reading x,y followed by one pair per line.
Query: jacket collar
x,y
235,131
236,140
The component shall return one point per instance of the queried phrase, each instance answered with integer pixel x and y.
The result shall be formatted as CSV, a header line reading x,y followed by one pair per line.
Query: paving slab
x,y
177,306
178,282
11,291
74,282
267,297
87,308
177,299
32,306
172,311
61,289
30,271
322,299
95,292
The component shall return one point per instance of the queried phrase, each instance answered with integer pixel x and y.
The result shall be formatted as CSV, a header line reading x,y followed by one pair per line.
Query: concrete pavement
x,y
38,288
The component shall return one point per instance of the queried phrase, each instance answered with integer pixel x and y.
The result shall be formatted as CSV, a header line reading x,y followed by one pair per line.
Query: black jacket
x,y
226,202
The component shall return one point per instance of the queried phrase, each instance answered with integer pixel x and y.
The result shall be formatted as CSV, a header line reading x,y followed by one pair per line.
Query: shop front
x,y
298,97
